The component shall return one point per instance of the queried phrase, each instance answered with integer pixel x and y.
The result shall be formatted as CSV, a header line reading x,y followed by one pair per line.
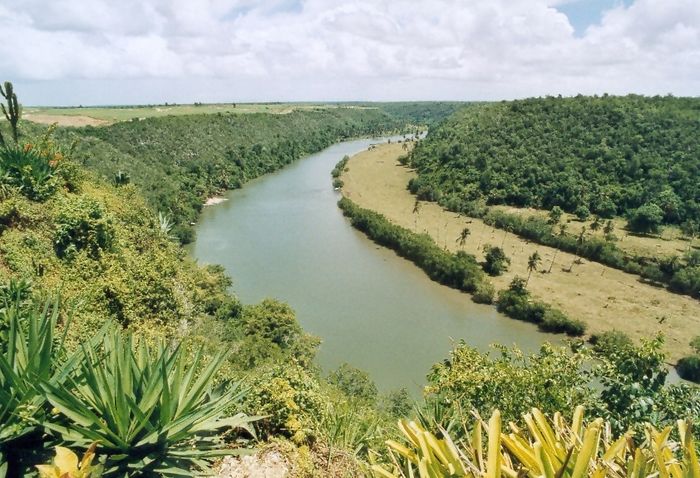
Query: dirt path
x,y
603,297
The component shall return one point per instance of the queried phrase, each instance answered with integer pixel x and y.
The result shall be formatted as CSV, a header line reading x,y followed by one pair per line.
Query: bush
x,y
289,398
582,213
484,293
29,171
82,224
646,219
516,303
459,271
354,383
556,321
609,342
495,261
689,368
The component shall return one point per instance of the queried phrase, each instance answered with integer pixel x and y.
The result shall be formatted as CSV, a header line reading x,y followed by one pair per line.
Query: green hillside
x,y
178,161
608,154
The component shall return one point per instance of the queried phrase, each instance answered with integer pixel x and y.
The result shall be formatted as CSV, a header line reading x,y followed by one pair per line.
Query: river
x,y
283,236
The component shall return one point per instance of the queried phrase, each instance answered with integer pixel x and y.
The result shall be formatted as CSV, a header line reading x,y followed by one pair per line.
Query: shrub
x,y
29,171
582,213
516,302
459,271
82,224
646,219
484,293
609,342
689,368
354,383
495,261
289,398
556,321
153,410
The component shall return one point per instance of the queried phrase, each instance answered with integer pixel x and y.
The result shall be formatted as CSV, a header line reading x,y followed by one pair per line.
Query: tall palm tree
x,y
579,243
462,238
532,263
416,211
507,229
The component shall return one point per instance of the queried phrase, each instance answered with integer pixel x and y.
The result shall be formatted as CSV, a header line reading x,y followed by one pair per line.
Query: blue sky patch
x,y
583,13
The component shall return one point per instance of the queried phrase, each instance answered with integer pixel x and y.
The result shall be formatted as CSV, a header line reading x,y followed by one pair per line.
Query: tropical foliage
x,y
176,162
610,154
629,156
542,448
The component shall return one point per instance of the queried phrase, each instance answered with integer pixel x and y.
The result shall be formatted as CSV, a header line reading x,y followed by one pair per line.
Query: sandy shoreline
x,y
214,200
603,297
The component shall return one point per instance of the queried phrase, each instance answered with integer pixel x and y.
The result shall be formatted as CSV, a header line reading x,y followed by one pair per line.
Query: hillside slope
x,y
609,154
176,162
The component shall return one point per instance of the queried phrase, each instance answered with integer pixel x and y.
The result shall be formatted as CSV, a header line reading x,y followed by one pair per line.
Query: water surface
x,y
283,236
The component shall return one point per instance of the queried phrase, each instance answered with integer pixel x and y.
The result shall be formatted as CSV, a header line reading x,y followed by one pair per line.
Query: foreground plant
x,y
153,410
66,465
550,449
30,353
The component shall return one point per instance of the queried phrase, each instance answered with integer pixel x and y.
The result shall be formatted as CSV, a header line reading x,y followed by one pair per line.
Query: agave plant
x,y
30,355
152,410
28,170
543,450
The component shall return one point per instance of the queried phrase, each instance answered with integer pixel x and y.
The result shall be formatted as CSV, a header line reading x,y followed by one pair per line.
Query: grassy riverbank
x,y
602,297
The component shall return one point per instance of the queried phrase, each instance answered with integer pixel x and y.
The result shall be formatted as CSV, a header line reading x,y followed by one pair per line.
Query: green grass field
x,y
123,113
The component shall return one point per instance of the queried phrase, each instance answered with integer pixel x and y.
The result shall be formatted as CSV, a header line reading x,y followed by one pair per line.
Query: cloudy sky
x,y
62,52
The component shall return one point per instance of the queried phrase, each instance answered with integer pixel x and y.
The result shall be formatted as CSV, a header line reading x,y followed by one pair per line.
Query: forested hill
x,y
609,154
422,113
178,161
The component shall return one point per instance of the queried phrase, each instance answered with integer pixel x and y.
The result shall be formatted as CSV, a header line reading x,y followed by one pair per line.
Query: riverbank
x,y
602,297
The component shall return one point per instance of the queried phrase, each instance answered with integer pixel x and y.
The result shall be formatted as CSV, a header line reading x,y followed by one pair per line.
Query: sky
x,y
96,52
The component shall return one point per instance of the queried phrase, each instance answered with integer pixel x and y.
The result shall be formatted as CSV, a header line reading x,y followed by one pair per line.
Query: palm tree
x,y
556,251
608,230
507,229
579,243
596,224
532,263
416,211
462,238
562,229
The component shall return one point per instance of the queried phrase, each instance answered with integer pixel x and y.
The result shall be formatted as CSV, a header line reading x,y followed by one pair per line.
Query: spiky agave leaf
x,y
151,409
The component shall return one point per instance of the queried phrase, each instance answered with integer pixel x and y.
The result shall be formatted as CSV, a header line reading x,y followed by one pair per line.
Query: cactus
x,y
12,112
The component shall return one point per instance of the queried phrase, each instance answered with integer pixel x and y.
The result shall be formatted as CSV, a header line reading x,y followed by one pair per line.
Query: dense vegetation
x,y
114,343
548,447
459,271
632,156
419,113
610,154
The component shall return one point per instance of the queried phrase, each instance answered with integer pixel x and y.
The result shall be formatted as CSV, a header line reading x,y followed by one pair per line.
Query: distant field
x,y
99,116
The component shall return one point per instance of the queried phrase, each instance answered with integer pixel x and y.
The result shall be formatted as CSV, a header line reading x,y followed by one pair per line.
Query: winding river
x,y
283,236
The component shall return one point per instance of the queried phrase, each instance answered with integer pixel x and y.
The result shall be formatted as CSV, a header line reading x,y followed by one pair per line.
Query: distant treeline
x,y
420,113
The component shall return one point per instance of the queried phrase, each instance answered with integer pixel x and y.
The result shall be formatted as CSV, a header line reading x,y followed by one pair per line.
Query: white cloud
x,y
363,49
